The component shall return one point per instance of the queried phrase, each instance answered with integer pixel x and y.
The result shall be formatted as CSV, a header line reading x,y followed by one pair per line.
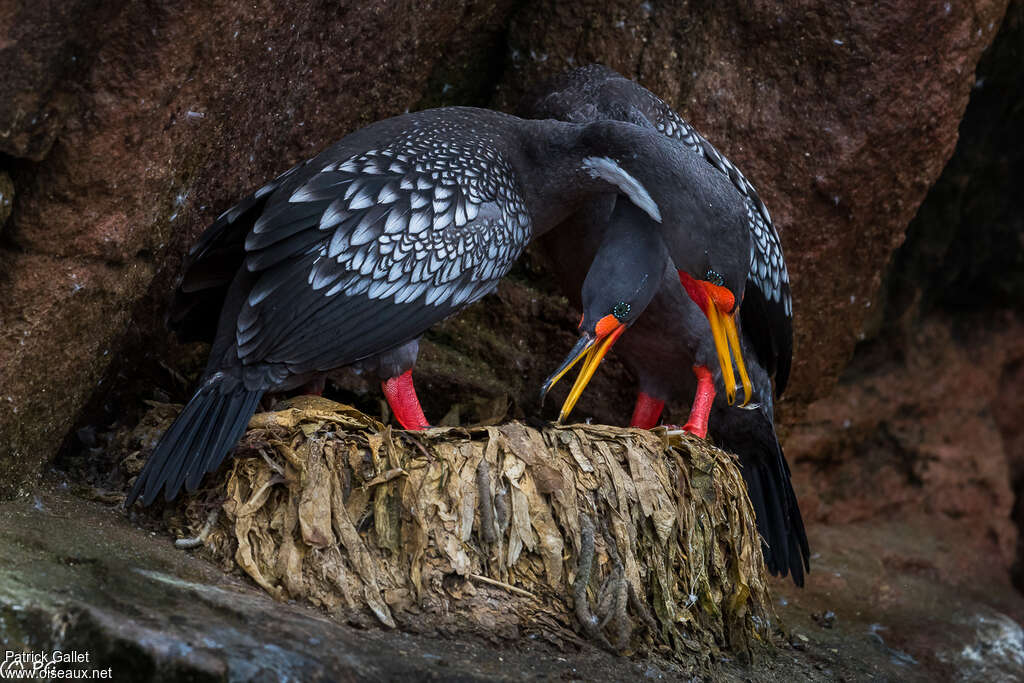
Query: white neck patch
x,y
608,170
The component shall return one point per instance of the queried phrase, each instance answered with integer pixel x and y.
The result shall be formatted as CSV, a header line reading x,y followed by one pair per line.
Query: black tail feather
x,y
212,431
198,440
227,436
755,490
784,539
750,434
204,431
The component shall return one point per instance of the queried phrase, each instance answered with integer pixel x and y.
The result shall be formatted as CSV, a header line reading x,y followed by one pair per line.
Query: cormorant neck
x,y
567,165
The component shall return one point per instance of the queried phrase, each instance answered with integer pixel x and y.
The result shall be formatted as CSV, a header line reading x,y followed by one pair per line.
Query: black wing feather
x,y
211,264
769,330
367,253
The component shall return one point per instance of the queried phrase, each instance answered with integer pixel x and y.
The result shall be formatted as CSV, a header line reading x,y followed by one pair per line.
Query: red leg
x,y
315,387
698,422
401,396
647,411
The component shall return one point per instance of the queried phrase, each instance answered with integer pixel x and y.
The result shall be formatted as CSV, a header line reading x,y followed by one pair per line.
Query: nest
x,y
639,541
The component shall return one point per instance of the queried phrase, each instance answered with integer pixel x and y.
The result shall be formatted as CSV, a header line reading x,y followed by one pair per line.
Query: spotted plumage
x,y
428,222
396,222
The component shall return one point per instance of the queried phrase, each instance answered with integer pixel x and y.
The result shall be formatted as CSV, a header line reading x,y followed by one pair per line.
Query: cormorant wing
x,y
212,262
370,251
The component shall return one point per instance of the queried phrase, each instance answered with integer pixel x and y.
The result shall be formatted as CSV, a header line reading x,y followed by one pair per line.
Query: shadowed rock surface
x,y
76,575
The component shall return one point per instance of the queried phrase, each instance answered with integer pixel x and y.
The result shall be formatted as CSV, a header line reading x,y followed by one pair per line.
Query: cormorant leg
x,y
315,387
698,422
647,411
401,396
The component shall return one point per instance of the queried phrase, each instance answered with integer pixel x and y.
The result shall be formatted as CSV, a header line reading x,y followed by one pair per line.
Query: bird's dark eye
x,y
714,278
621,311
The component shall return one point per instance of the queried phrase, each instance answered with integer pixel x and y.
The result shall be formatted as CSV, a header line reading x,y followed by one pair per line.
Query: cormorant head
x,y
625,275
701,213
709,243
721,307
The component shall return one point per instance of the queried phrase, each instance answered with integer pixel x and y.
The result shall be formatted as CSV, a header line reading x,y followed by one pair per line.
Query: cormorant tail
x,y
784,540
198,440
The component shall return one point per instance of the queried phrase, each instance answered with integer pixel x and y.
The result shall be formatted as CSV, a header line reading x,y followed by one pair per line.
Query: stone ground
x,y
79,575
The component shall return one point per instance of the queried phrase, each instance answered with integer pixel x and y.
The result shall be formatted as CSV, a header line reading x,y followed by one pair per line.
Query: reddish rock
x,y
919,432
926,421
44,47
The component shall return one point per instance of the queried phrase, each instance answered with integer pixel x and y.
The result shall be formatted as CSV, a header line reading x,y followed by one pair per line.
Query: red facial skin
x,y
694,291
401,396
703,293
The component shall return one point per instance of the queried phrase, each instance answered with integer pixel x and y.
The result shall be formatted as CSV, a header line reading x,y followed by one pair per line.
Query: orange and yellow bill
x,y
727,345
590,348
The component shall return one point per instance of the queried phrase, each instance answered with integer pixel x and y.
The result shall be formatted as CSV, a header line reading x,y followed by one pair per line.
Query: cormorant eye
x,y
714,278
621,311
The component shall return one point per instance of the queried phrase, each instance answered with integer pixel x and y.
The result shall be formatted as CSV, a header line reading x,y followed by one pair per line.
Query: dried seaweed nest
x,y
638,541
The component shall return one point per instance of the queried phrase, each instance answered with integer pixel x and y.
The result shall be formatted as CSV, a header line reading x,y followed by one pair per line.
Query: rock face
x,y
841,116
175,113
925,422
916,434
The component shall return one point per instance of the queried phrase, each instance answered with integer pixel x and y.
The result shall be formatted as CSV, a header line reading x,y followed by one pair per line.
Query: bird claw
x,y
688,428
699,431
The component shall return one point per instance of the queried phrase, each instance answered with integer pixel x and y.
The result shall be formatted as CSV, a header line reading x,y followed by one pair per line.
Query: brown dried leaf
x,y
548,533
652,490
315,496
360,556
529,446
672,520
